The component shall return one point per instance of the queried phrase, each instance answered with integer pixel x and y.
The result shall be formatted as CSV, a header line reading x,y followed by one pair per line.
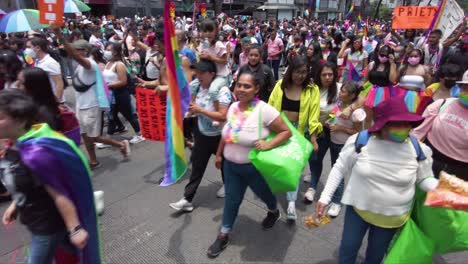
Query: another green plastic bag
x,y
410,246
447,228
282,166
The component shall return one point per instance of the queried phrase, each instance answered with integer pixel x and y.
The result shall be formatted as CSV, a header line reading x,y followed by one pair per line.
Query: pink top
x,y
446,129
239,152
243,59
219,50
274,47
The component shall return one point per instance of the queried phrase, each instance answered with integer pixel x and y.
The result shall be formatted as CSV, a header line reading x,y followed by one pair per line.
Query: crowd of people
x,y
401,94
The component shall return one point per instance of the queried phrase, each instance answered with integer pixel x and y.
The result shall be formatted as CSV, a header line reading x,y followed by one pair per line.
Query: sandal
x,y
125,149
94,166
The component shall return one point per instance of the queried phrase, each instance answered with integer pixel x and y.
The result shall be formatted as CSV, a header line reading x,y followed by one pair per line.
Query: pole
x,y
377,10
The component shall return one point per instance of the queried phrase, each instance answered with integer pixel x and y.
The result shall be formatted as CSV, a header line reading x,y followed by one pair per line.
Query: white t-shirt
x,y
152,71
382,177
326,108
87,99
239,152
52,67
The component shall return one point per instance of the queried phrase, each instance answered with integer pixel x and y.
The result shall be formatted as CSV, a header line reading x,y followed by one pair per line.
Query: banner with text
x,y
50,11
451,16
151,108
413,17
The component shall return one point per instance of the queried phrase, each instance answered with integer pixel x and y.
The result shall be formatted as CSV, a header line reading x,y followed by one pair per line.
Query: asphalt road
x,y
138,226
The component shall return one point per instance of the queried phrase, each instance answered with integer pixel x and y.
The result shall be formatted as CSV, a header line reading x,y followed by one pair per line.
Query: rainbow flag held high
x,y
178,100
59,163
351,10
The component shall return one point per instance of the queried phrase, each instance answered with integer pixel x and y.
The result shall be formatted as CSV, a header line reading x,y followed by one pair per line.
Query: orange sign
x,y
413,17
50,11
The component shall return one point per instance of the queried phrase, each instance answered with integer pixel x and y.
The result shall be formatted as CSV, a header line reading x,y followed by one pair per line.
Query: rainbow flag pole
x,y
351,10
178,100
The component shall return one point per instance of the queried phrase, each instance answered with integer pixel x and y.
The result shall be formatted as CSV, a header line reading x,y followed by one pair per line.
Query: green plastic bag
x,y
410,246
282,166
447,228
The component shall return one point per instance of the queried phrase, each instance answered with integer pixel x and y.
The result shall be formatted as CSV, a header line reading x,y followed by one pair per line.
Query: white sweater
x,y
382,177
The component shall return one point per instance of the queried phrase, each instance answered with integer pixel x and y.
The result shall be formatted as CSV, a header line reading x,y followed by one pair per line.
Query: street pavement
x,y
138,226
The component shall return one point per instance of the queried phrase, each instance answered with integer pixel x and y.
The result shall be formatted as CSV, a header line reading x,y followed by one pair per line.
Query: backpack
x,y
363,138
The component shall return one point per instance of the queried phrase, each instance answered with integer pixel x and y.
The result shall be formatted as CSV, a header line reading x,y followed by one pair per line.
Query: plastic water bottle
x,y
206,44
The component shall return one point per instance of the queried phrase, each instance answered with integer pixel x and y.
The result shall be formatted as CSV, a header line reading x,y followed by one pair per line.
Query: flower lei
x,y
236,121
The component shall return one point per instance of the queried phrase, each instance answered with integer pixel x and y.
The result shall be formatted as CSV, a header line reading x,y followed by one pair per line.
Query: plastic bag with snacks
x,y
452,193
312,221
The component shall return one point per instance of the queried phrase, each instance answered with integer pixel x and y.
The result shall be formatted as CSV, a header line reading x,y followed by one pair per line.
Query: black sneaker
x,y
271,219
218,246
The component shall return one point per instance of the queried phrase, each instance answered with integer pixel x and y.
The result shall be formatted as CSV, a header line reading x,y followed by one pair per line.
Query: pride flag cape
x,y
58,163
178,100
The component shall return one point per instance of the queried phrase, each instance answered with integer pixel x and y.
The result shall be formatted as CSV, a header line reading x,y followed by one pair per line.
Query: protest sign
x,y
50,11
413,17
151,108
451,16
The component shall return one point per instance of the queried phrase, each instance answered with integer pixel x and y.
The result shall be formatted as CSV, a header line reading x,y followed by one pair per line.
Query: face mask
x,y
107,55
450,83
463,98
30,52
398,134
413,61
383,59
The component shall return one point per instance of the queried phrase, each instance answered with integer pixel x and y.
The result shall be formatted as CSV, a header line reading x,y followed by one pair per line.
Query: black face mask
x,y
450,83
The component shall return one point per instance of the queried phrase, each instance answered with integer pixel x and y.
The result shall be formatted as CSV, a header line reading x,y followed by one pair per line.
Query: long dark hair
x,y
209,25
297,62
37,85
116,52
12,64
353,39
385,49
405,63
333,89
97,54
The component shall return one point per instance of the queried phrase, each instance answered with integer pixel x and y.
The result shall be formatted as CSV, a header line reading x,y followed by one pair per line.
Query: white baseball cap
x,y
464,79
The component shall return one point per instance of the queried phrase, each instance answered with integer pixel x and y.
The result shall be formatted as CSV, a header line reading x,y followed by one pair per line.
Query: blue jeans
x,y
274,65
316,162
353,232
43,247
236,179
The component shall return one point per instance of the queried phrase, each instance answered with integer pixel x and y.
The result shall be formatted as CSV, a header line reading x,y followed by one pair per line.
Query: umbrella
x,y
75,6
21,20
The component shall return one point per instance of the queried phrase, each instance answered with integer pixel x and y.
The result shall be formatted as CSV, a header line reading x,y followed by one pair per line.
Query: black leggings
x,y
205,146
123,105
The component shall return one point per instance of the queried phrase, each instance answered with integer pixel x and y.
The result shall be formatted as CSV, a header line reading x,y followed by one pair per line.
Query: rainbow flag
x,y
351,10
60,164
178,100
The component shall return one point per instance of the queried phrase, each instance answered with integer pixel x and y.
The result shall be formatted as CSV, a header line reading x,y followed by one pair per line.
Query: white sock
x,y
292,204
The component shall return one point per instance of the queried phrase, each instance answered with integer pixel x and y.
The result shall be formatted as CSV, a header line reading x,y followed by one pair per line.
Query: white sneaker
x,y
102,145
99,202
334,210
182,205
137,139
292,216
307,177
309,195
221,193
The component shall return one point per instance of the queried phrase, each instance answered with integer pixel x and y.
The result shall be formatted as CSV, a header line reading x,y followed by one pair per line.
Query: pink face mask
x,y
413,60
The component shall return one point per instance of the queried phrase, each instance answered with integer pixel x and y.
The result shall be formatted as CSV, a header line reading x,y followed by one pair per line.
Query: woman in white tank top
x,y
115,75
